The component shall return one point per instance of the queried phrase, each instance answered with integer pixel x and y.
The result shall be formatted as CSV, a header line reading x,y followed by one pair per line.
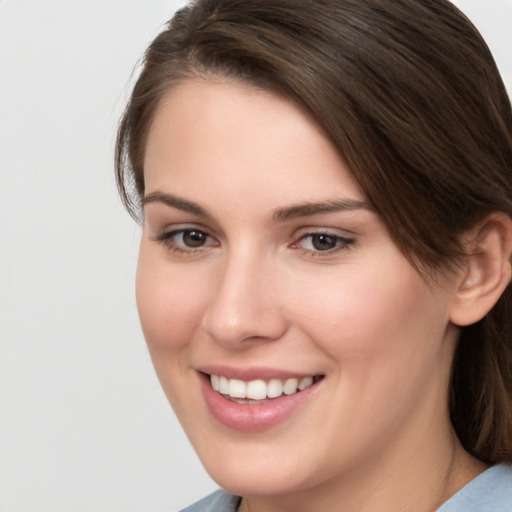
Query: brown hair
x,y
410,94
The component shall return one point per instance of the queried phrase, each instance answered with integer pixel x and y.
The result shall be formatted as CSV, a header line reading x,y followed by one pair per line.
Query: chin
x,y
261,468
262,481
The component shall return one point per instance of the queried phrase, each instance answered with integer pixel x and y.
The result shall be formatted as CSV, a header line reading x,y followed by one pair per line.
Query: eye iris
x,y
323,242
194,238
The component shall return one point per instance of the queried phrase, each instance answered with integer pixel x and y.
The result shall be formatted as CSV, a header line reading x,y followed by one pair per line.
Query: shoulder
x,y
489,492
219,501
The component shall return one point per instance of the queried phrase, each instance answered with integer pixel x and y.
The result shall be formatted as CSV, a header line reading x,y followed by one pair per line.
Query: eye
x,y
315,243
192,238
186,240
322,242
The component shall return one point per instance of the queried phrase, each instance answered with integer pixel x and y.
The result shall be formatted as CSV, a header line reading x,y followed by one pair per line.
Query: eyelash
x,y
168,240
341,244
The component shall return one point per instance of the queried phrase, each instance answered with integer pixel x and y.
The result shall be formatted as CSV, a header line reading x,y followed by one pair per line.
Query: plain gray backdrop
x,y
84,425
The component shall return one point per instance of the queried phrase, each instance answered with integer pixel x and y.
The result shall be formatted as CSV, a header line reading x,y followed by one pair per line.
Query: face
x,y
295,342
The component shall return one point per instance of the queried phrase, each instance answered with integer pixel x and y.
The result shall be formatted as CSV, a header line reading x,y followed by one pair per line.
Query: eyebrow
x,y
309,209
176,202
280,215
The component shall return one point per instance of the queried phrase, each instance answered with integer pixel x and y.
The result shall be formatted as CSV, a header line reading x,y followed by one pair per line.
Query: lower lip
x,y
253,417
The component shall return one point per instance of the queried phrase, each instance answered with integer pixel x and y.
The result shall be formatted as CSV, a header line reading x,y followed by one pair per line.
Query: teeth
x,y
214,379
305,383
259,389
290,386
223,385
237,388
274,388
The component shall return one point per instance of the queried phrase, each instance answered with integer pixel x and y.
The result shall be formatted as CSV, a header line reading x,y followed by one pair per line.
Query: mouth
x,y
258,399
260,391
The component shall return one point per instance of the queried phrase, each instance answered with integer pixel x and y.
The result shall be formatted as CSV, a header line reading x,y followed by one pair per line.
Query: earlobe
x,y
487,269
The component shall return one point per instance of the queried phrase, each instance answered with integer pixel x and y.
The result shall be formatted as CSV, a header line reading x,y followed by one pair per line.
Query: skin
x,y
375,433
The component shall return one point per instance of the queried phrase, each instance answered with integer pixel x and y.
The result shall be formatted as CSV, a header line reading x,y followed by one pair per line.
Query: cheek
x,y
386,314
384,332
169,303
170,306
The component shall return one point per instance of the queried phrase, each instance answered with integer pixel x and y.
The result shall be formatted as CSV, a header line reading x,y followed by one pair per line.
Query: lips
x,y
254,404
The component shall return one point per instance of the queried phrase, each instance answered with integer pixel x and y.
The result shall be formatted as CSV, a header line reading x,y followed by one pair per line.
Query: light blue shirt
x,y
489,492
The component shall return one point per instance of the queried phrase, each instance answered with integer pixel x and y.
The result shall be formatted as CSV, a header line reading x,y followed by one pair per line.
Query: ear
x,y
487,269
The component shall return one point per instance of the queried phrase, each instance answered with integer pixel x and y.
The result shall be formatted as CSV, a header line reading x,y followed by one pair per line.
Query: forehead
x,y
236,139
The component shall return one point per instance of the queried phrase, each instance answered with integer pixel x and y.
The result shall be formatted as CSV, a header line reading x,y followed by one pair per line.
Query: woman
x,y
323,280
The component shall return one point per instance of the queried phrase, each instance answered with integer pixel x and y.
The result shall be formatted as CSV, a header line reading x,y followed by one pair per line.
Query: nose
x,y
245,304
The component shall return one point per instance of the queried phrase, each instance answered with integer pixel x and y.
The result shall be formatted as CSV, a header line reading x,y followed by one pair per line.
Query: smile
x,y
257,399
257,390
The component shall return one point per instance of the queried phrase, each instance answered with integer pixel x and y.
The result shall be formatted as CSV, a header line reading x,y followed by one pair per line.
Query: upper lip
x,y
253,373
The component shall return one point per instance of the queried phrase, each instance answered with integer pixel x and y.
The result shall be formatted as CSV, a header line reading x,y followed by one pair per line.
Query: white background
x,y
84,425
